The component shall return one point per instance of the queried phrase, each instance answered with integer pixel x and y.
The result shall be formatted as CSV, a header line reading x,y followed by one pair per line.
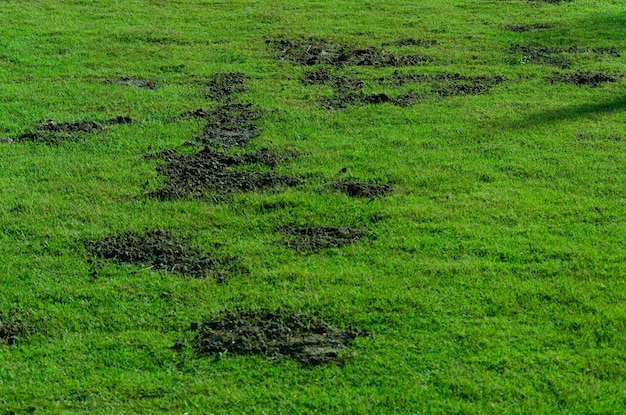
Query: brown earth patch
x,y
584,78
223,87
276,334
160,250
53,132
355,188
211,174
13,326
137,83
322,76
528,27
559,57
319,51
315,238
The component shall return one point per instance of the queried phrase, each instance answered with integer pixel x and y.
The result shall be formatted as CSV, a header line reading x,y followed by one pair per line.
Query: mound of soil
x,y
584,78
412,42
222,87
363,189
315,238
162,251
528,27
137,83
319,51
53,132
12,327
302,337
210,174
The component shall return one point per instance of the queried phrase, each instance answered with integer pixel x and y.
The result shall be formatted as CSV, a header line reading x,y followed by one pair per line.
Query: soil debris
x,y
344,100
528,27
475,87
54,132
315,238
555,56
137,83
12,327
222,87
355,188
160,250
276,334
210,174
584,78
319,51
322,76
412,42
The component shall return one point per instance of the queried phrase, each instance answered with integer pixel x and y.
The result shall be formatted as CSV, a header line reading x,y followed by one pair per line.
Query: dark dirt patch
x,y
585,78
317,51
223,87
13,326
137,83
412,42
54,132
344,100
276,334
475,87
355,188
559,57
322,76
550,1
211,174
528,27
228,125
315,238
162,251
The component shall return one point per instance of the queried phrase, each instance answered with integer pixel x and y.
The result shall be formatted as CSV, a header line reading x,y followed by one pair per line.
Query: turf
x,y
490,195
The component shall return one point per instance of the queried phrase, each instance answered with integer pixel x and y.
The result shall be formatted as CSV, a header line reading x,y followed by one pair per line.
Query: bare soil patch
x,y
585,78
276,334
528,27
224,87
315,238
412,42
54,132
320,51
355,188
560,57
210,174
160,250
136,83
13,326
322,76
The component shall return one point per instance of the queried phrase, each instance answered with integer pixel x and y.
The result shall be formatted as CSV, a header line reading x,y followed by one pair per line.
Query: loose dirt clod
x,y
137,83
54,132
210,174
12,327
223,86
315,238
363,189
162,251
582,78
319,51
276,334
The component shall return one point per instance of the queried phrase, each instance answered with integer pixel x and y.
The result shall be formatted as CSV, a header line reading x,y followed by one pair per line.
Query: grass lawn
x,y
442,182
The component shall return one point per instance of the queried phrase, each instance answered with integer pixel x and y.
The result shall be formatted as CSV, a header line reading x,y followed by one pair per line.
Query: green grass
x,y
493,280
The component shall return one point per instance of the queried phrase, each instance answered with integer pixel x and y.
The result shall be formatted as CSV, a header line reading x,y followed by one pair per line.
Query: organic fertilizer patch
x,y
276,334
315,238
584,78
54,132
319,51
355,188
224,87
211,174
160,250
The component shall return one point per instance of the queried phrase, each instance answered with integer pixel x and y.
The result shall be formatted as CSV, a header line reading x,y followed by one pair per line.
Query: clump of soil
x,y
344,100
355,188
210,174
322,76
12,327
315,238
528,27
137,83
584,78
319,51
412,42
222,87
54,132
555,56
228,125
162,251
475,87
276,334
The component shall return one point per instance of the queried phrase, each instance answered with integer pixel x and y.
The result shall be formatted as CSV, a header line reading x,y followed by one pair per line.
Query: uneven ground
x,y
312,207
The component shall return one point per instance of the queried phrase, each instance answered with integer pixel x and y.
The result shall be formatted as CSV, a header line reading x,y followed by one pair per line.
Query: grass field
x,y
471,154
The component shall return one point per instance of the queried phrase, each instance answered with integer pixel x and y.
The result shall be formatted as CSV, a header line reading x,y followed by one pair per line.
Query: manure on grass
x,y
276,334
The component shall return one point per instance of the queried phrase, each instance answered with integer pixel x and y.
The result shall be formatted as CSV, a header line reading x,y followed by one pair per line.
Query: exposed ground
x,y
13,327
528,27
355,188
224,87
160,250
314,238
585,78
276,334
54,132
553,56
